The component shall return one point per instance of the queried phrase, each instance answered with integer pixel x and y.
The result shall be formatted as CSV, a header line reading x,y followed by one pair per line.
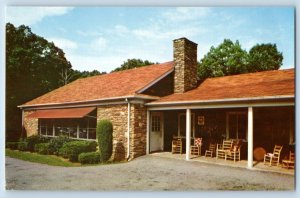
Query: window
x,y
182,124
155,123
84,128
236,127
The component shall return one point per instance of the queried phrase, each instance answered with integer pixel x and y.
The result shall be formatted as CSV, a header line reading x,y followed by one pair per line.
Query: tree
x,y
226,59
264,57
33,67
133,63
229,59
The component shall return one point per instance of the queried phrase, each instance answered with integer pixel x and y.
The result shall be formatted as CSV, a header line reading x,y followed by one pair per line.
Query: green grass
x,y
43,159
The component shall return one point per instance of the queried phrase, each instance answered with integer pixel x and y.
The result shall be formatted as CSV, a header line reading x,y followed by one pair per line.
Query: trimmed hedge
x,y
23,146
72,149
42,148
89,158
32,141
12,145
56,143
104,136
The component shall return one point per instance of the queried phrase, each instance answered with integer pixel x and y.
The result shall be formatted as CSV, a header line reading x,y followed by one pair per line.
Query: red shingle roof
x,y
113,85
260,84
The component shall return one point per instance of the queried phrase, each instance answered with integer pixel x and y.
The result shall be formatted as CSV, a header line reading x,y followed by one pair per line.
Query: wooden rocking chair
x,y
234,154
211,150
177,146
196,148
290,163
273,157
222,149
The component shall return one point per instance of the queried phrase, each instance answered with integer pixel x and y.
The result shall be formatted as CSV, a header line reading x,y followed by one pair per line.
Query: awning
x,y
62,113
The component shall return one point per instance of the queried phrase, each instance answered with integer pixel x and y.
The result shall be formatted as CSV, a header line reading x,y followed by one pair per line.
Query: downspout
x,y
128,129
22,132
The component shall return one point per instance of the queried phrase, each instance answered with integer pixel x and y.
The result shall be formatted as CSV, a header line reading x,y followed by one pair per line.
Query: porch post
x,y
148,133
77,131
188,134
250,137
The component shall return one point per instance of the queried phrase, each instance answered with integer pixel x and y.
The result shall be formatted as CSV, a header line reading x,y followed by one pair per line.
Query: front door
x,y
156,132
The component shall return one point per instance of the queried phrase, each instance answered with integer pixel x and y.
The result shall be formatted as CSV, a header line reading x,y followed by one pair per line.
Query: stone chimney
x,y
185,61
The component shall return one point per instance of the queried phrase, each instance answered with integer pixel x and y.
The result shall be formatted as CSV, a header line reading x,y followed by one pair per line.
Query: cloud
x,y
63,43
88,33
99,44
186,13
32,15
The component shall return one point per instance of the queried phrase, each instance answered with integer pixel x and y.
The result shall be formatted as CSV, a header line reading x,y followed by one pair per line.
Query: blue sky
x,y
103,38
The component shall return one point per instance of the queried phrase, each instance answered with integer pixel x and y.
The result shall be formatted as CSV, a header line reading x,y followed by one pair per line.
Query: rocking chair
x,y
274,157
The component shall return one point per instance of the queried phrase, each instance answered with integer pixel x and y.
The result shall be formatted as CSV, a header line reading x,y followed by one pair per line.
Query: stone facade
x,y
30,124
138,131
185,61
117,114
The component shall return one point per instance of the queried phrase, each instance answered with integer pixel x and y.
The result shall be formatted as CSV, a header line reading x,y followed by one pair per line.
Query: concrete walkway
x,y
144,173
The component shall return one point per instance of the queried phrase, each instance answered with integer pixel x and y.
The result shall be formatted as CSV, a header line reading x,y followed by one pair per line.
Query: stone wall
x,y
117,114
30,124
185,61
139,130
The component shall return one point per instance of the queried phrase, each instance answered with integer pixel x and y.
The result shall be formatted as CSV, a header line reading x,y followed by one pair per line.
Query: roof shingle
x,y
112,85
260,84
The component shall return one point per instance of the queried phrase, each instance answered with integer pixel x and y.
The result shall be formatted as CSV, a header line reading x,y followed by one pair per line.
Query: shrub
x,y
42,148
72,149
12,145
89,158
33,140
23,146
56,143
104,136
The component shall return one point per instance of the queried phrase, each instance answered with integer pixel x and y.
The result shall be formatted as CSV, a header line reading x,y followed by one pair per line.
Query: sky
x,y
102,38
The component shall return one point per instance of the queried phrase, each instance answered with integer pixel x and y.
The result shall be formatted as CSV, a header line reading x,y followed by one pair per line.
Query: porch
x,y
257,165
256,126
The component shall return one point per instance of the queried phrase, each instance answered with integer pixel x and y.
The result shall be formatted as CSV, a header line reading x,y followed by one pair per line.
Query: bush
x,y
42,148
33,140
23,146
12,145
56,143
104,136
72,149
89,158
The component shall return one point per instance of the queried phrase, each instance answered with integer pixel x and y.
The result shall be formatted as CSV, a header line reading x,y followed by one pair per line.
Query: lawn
x,y
38,158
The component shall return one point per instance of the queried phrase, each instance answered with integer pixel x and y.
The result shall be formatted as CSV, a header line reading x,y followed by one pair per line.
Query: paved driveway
x,y
143,173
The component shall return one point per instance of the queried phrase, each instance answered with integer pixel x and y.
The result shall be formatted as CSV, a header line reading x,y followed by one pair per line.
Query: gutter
x,y
140,96
219,100
128,129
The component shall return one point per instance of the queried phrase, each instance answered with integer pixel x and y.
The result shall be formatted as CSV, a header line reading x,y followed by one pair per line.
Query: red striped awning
x,y
62,113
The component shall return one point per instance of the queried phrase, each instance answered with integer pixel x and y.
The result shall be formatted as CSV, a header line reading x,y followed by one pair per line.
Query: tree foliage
x,y
226,59
229,58
34,67
133,63
264,57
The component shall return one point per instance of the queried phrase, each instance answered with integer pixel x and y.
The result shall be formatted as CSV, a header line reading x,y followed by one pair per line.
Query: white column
x,y
77,131
188,134
250,137
148,133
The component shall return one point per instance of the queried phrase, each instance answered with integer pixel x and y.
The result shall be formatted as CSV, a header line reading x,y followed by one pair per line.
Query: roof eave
x,y
142,97
221,100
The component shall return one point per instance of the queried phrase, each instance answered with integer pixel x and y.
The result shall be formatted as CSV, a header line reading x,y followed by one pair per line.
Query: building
x,y
150,105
